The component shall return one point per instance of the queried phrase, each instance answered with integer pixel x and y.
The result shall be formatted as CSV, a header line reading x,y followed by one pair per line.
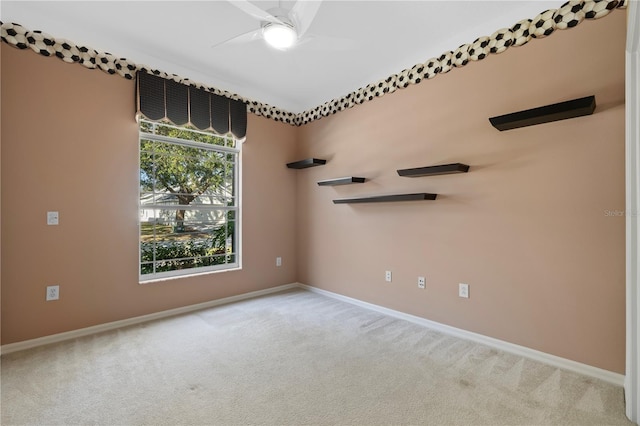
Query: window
x,y
188,201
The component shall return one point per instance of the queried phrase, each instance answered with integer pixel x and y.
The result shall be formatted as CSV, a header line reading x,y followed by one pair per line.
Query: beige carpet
x,y
293,358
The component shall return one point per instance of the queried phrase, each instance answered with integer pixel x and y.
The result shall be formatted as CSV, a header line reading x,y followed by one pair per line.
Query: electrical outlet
x,y
463,290
53,292
387,276
421,282
52,218
278,261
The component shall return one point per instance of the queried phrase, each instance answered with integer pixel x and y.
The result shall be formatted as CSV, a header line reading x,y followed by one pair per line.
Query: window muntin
x,y
188,201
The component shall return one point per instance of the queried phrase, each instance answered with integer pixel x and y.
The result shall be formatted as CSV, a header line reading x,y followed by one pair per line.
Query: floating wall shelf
x,y
545,114
341,181
307,162
444,169
387,198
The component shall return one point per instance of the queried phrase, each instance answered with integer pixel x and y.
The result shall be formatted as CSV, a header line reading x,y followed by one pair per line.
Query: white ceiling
x,y
352,43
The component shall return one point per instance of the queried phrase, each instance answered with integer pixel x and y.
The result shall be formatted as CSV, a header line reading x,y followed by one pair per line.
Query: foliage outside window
x,y
188,201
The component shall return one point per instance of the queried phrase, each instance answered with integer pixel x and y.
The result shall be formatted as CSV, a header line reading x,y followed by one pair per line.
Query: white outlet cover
x,y
421,282
278,261
52,218
53,292
463,290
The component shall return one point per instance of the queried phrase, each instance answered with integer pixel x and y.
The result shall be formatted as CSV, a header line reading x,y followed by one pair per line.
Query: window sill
x,y
183,276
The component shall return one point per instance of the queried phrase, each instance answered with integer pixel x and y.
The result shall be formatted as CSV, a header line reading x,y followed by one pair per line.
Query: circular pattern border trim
x,y
569,15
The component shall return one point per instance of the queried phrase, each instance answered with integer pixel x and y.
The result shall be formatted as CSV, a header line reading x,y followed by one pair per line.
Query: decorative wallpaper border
x,y
20,37
569,15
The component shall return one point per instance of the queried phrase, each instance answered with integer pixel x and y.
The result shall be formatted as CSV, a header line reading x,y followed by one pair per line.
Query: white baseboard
x,y
587,370
555,361
60,337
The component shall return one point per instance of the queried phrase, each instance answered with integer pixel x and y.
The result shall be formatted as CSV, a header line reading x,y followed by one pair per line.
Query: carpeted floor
x,y
295,358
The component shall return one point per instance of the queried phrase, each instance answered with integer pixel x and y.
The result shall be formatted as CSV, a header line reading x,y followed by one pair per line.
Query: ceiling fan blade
x,y
255,11
303,12
242,38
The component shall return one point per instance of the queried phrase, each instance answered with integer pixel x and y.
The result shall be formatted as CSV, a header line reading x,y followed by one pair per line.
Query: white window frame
x,y
233,149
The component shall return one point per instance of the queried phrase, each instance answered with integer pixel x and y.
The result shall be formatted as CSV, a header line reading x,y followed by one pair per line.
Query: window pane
x,y
185,175
176,239
187,202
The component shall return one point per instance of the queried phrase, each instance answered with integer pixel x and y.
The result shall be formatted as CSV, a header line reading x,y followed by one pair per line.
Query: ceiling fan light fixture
x,y
279,36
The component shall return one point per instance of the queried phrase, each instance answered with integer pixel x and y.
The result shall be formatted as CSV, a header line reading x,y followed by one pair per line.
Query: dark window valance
x,y
160,99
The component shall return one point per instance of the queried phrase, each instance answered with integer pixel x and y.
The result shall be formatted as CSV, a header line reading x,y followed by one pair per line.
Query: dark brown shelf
x,y
307,162
545,114
387,198
444,169
341,181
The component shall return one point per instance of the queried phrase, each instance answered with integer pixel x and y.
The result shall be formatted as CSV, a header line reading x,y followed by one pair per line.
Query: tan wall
x,y
525,228
69,143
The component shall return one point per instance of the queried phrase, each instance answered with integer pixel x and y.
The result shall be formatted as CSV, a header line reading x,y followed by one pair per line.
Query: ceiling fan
x,y
279,27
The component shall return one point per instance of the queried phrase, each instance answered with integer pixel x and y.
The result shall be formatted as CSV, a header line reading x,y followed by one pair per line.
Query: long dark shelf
x,y
443,169
545,114
341,181
307,162
387,198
